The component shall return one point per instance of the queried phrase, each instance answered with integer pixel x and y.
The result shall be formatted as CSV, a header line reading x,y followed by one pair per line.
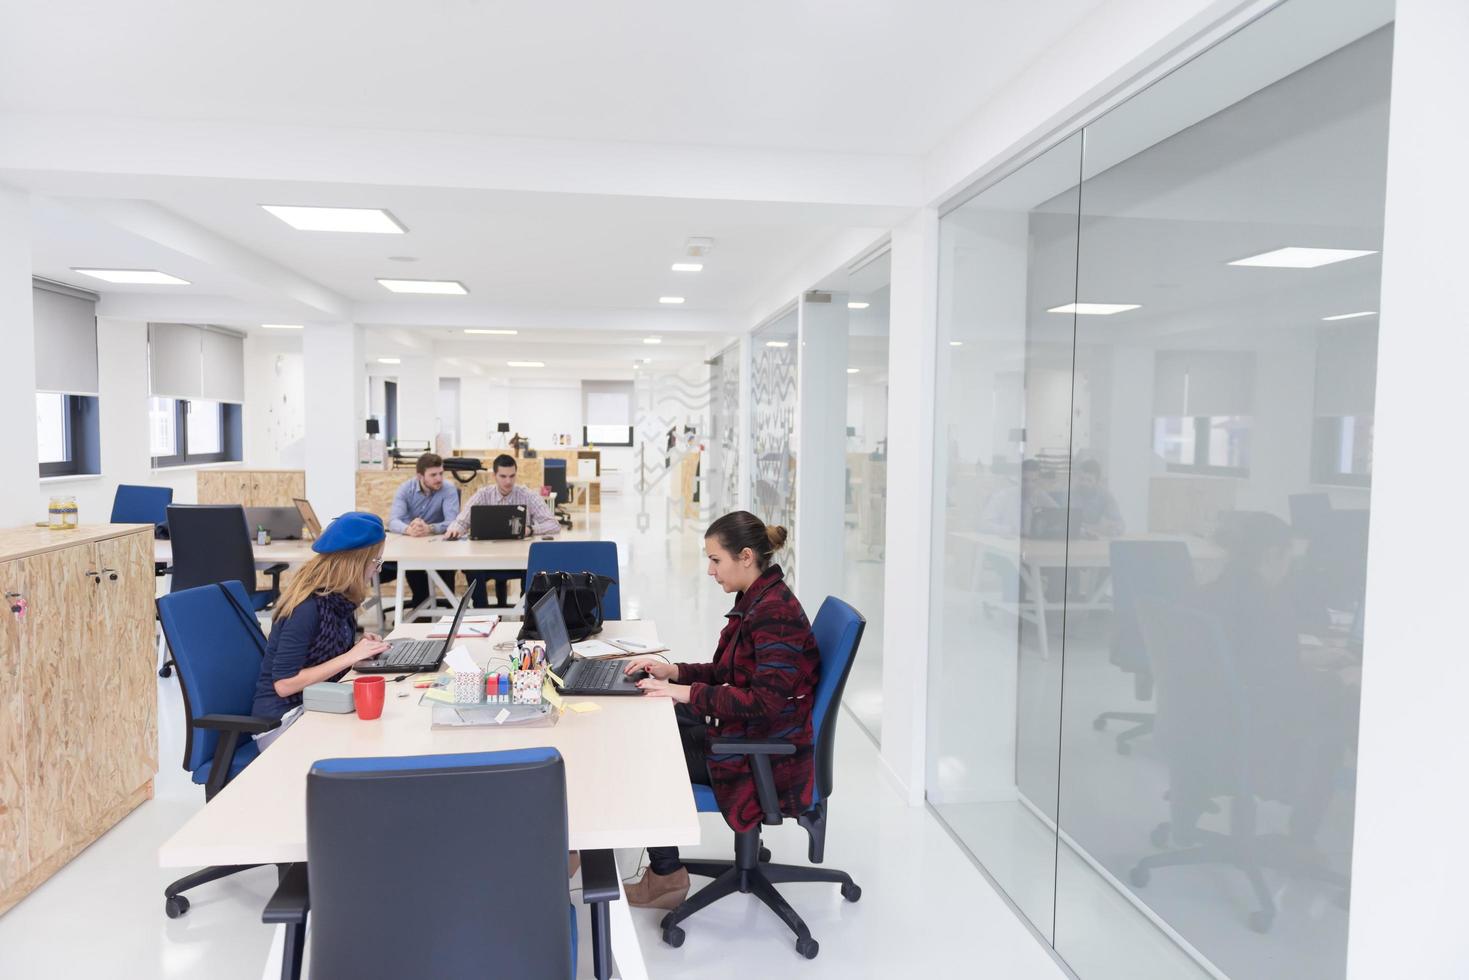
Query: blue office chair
x,y
579,556
133,504
1140,570
498,905
838,630
217,645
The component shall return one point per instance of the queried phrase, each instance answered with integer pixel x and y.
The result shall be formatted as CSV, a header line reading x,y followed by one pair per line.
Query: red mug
x,y
368,694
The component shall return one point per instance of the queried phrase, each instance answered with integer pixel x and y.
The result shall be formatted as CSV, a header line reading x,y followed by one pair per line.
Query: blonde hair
x,y
341,572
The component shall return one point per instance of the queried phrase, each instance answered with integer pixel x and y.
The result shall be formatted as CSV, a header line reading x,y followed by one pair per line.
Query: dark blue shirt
x,y
294,645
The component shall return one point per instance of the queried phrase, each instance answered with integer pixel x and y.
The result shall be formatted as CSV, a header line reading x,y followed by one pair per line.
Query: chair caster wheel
x,y
1159,836
851,891
165,671
1099,724
175,906
1261,921
808,948
673,936
764,854
1139,876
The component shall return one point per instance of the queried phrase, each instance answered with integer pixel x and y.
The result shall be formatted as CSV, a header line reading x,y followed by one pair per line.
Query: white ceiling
x,y
872,77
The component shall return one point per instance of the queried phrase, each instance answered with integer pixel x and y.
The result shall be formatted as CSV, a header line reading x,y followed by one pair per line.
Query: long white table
x,y
626,782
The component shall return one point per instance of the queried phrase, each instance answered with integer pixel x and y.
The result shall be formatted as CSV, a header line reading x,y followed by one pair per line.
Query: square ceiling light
x,y
1094,309
670,299
491,332
1295,257
428,287
526,364
370,221
652,340
390,360
282,326
858,306
134,277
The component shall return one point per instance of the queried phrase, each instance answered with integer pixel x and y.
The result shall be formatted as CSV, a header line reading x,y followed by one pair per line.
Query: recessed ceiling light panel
x,y
670,299
853,370
134,277
491,332
858,306
688,267
1295,257
1094,309
777,343
652,340
390,360
526,364
428,287
1350,316
371,221
282,326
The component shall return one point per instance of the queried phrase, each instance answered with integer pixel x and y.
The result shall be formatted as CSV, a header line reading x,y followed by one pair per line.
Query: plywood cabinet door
x,y
123,698
62,603
14,843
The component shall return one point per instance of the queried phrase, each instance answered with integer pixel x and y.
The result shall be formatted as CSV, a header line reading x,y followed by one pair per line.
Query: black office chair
x,y
499,905
211,543
838,630
1205,734
555,475
218,645
1140,569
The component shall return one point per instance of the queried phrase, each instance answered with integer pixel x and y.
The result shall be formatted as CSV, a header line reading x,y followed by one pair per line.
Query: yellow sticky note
x,y
584,706
552,674
549,693
439,694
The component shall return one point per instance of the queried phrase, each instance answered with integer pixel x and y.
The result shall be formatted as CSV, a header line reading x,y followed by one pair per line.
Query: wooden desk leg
x,y
398,594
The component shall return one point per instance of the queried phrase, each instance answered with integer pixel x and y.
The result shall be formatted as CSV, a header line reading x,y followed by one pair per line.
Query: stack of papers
x,y
470,627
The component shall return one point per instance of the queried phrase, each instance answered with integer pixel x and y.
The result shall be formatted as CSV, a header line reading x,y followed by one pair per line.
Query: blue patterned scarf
x,y
336,628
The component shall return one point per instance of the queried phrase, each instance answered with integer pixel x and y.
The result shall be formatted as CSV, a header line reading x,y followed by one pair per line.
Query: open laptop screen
x,y
552,627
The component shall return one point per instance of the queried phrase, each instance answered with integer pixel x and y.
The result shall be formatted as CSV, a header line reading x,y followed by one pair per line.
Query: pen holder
x,y
469,687
525,686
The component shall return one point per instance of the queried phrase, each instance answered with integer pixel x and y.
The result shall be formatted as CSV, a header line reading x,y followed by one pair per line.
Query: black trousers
x,y
418,585
693,733
477,580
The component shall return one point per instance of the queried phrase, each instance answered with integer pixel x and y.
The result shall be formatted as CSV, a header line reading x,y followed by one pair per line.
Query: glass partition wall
x,y
774,371
1156,383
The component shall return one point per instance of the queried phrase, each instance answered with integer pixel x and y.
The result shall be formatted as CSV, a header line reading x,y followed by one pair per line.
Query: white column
x,y
821,463
1410,866
911,361
18,365
335,378
418,399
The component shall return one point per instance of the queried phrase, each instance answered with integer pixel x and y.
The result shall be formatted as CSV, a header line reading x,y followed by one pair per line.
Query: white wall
x,y
274,415
1410,863
540,409
334,403
18,366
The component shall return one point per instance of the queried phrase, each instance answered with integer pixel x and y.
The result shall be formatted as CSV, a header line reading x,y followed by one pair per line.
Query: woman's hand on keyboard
x,y
367,648
655,667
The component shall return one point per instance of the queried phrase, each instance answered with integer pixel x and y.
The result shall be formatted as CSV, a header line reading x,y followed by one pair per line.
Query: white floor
x,y
925,909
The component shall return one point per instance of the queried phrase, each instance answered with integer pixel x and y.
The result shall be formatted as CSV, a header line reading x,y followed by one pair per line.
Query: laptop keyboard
x,y
411,653
596,673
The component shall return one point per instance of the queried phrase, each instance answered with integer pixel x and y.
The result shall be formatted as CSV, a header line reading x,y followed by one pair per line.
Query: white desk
x,y
585,482
288,552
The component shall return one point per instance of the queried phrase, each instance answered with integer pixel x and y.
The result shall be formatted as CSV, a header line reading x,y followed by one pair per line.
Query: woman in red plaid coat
x,y
759,685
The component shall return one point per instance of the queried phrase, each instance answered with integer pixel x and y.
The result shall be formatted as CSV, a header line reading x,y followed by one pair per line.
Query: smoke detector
x,y
696,247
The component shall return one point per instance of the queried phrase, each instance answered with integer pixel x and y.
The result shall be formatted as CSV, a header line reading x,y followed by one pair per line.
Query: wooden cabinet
x,y
78,705
250,488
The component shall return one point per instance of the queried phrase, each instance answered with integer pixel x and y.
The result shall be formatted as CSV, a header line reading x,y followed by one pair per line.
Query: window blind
x,y
66,339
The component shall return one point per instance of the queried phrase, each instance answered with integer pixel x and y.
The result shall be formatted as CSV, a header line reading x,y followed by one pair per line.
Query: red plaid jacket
x,y
760,685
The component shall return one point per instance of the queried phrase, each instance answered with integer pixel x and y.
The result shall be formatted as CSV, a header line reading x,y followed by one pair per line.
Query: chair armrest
x,y
743,746
598,877
246,724
292,899
759,751
275,569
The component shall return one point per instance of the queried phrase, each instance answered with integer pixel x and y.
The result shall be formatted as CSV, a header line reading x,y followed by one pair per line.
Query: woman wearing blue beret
x,y
315,626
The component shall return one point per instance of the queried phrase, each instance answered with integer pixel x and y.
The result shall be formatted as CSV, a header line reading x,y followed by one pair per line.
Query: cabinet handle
x,y
111,574
96,577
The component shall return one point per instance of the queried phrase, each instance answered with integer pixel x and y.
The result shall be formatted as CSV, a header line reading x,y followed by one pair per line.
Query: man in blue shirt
x,y
424,506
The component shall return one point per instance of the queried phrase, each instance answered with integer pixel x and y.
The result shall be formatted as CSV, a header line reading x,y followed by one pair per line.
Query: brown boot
x,y
573,863
655,891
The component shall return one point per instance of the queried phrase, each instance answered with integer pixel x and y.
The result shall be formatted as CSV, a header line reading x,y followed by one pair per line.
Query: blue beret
x,y
354,529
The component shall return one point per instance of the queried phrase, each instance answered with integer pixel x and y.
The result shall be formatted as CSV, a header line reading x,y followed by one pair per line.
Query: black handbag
x,y
581,602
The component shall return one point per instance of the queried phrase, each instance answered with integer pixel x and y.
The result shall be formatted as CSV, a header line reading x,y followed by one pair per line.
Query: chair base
x,y
1142,724
748,874
174,902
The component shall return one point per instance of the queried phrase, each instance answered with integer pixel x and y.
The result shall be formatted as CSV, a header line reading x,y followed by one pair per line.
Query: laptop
x,y
308,516
283,523
415,656
599,677
498,522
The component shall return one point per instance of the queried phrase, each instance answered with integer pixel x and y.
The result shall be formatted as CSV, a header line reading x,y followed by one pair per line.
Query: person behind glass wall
x,y
315,625
759,685
504,491
1298,714
424,506
1094,510
1011,509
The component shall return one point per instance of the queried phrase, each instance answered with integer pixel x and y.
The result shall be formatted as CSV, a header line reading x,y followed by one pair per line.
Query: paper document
x,y
637,647
584,706
459,661
470,626
596,648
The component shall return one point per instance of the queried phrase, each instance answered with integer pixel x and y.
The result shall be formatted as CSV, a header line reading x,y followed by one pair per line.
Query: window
x,y
607,413
67,434
1217,445
189,431
1343,451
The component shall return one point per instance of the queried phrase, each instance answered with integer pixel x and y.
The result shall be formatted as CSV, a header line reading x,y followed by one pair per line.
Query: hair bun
x,y
776,535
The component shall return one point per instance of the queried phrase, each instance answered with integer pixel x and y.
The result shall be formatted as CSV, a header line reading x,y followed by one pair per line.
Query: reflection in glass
x,y
773,374
865,514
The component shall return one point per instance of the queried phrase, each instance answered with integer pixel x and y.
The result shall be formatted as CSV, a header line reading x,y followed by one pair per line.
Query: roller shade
x,y
1346,371
186,361
607,403
224,367
66,340
1204,382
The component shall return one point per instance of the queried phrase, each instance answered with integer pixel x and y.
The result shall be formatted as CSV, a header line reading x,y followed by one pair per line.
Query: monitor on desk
x,y
308,516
